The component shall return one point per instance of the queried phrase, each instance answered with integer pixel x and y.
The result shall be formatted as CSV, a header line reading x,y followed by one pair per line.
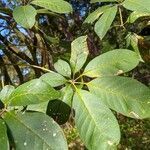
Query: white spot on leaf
x,y
119,72
25,143
110,142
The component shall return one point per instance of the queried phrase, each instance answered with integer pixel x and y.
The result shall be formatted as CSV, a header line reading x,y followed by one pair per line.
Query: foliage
x,y
93,118
74,84
25,16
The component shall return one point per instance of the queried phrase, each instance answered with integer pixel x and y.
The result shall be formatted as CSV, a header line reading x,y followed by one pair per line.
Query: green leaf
x,y
58,6
79,53
41,107
35,131
105,21
124,95
4,144
33,92
53,79
94,1
114,62
52,40
25,16
96,14
98,127
67,95
132,40
136,15
137,5
45,11
5,93
63,68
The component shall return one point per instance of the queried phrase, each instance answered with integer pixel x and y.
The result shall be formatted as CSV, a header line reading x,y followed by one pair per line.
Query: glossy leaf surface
x,y
58,6
33,92
112,63
79,53
25,16
5,93
96,14
67,95
4,144
35,131
124,95
53,79
63,68
137,5
136,15
105,21
97,125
